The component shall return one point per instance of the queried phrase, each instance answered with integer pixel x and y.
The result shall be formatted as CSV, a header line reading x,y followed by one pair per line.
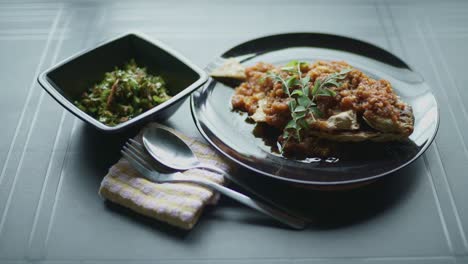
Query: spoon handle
x,y
246,188
264,208
210,167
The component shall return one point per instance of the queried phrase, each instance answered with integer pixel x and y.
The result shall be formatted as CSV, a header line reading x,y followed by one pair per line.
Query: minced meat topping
x,y
358,92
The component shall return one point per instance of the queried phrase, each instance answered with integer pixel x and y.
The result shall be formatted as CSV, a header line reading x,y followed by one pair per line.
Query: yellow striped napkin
x,y
178,204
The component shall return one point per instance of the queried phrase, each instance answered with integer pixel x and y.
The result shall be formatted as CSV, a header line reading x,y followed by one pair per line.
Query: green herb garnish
x,y
123,94
302,103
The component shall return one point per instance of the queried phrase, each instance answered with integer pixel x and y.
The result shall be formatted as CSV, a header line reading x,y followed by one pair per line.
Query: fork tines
x,y
135,153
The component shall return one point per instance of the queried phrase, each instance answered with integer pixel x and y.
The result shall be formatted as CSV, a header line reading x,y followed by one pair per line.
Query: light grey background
x,y
51,163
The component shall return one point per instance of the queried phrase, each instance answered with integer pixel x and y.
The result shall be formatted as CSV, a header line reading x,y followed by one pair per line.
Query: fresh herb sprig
x,y
302,103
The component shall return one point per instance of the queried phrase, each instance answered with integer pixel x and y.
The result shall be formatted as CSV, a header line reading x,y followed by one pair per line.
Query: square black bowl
x,y
67,80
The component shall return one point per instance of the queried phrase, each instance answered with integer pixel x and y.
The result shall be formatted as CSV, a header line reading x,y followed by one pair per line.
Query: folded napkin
x,y
178,204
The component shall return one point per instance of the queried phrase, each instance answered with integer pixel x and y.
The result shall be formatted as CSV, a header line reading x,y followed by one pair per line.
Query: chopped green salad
x,y
123,94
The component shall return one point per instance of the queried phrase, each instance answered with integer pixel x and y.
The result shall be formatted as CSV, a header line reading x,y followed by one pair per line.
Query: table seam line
x,y
62,174
29,96
434,69
18,167
52,154
436,197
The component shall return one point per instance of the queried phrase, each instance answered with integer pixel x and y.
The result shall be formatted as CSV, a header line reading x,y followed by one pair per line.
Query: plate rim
x,y
303,182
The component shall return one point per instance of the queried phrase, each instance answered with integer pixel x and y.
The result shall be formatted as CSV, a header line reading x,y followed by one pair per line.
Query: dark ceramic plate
x,y
229,132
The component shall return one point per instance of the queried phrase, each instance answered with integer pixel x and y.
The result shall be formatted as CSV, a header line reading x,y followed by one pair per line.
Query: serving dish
x,y
68,79
229,132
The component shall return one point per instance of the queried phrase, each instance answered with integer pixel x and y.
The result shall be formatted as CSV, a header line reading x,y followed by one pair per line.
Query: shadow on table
x,y
102,150
331,209
326,209
148,222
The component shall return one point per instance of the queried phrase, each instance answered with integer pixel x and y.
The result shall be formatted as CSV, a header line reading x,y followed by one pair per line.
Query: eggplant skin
x,y
404,125
383,129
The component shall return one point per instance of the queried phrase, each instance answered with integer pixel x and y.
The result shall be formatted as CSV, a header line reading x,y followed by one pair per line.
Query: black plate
x,y
229,132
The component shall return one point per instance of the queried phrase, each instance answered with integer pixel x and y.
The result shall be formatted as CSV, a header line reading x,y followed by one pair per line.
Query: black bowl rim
x,y
316,183
67,104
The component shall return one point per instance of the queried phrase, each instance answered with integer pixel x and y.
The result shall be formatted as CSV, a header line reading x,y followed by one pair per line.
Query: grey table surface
x,y
51,163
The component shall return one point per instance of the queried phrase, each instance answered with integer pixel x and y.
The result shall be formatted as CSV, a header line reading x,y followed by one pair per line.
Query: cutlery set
x,y
157,147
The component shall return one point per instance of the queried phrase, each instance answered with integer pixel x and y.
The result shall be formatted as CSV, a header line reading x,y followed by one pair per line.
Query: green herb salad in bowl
x,y
123,94
123,82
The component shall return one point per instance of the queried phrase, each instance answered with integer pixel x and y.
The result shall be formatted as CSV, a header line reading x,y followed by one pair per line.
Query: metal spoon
x,y
171,151
137,157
